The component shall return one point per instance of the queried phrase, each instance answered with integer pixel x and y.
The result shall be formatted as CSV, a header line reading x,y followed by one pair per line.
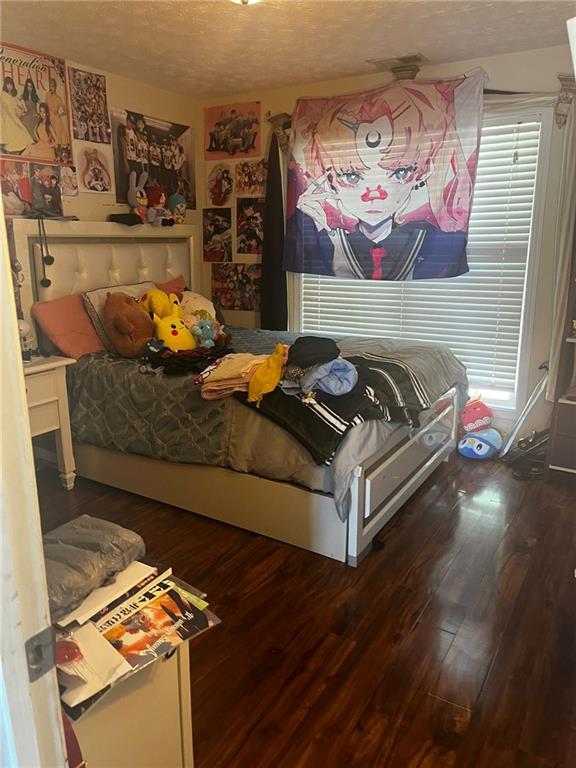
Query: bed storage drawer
x,y
420,446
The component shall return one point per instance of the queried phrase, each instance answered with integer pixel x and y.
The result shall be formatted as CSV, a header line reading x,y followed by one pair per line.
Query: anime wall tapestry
x,y
380,183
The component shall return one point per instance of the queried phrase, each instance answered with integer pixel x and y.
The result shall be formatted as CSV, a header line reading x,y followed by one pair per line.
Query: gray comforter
x,y
117,404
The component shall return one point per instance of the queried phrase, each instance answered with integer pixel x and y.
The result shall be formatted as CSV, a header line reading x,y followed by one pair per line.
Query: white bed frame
x,y
93,254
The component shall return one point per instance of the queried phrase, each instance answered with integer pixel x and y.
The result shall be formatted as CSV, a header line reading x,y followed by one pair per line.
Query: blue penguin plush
x,y
480,445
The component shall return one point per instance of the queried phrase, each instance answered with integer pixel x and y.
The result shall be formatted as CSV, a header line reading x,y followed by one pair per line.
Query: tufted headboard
x,y
94,254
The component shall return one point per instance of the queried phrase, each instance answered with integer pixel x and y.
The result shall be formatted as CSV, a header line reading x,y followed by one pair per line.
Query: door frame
x,y
31,731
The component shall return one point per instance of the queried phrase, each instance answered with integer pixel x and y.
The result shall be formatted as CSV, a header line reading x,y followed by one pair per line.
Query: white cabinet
x,y
144,722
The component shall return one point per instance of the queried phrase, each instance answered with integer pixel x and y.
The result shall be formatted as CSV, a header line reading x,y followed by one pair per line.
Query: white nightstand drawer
x,y
41,387
44,418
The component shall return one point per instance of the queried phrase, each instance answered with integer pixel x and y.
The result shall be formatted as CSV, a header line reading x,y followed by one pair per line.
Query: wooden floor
x,y
453,644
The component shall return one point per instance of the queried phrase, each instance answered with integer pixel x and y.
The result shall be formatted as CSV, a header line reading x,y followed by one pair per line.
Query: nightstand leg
x,y
66,463
66,466
68,480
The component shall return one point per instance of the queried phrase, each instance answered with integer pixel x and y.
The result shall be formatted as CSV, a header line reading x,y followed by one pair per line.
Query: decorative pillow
x,y
176,285
67,324
94,302
194,302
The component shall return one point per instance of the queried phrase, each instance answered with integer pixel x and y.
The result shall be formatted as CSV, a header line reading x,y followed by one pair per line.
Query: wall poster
x,y
249,225
251,178
380,182
237,286
220,184
217,234
162,150
232,129
89,102
34,117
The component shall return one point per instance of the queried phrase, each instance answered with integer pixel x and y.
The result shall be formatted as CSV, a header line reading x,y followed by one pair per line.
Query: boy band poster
x,y
162,150
232,129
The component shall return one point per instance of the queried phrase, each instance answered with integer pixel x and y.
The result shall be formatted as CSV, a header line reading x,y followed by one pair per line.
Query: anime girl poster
x,y
251,178
89,102
380,183
249,225
237,286
95,167
163,150
232,129
220,184
34,115
217,234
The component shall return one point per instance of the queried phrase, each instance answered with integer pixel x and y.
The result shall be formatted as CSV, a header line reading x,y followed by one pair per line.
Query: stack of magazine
x,y
122,627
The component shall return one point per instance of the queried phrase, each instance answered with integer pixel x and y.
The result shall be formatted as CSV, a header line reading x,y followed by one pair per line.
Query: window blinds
x,y
478,315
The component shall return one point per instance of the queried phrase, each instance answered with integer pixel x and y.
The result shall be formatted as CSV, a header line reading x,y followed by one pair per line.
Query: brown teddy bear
x,y
127,324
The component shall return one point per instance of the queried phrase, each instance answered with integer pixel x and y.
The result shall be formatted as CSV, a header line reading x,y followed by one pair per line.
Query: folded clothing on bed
x,y
233,374
85,554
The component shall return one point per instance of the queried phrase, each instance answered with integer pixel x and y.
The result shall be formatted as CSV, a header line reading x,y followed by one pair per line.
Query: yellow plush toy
x,y
173,331
160,303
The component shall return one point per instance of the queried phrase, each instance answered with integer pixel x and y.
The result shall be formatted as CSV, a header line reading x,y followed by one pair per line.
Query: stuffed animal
x,y
476,415
480,445
136,196
177,206
173,332
205,332
194,317
127,324
160,303
158,215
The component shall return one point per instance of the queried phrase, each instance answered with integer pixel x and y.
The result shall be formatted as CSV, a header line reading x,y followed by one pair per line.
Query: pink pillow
x,y
176,285
67,324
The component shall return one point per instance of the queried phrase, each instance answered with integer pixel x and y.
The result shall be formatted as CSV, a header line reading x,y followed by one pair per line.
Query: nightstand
x,y
45,379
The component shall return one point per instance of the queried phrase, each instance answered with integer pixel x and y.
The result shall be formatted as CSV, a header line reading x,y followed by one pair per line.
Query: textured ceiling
x,y
205,47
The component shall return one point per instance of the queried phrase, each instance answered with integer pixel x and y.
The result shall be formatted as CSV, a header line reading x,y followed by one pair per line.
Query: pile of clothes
x,y
317,395
310,364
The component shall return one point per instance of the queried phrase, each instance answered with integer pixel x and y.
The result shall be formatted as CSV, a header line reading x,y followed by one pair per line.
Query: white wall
x,y
526,71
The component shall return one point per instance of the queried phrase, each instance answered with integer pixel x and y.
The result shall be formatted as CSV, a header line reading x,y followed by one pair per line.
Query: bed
x,y
257,477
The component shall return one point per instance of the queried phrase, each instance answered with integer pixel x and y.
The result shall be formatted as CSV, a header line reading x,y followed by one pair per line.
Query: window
x,y
480,315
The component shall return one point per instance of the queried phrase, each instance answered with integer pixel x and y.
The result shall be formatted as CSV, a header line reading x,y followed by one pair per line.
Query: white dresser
x,y
45,379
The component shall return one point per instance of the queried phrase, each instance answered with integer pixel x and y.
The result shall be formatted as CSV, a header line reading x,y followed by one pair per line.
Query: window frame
x,y
496,116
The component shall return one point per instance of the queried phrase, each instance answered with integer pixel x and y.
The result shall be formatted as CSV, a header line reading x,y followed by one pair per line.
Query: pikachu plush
x,y
160,303
172,330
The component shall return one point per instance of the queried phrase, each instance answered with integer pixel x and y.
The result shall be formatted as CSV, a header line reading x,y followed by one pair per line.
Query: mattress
x,y
121,405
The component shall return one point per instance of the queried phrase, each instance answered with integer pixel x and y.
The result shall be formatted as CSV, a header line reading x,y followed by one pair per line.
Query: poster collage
x,y
58,138
232,222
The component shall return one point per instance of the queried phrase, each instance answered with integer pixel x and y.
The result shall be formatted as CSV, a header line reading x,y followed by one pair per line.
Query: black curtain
x,y
273,299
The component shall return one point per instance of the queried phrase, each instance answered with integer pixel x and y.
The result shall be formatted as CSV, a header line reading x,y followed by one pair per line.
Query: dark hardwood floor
x,y
453,644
